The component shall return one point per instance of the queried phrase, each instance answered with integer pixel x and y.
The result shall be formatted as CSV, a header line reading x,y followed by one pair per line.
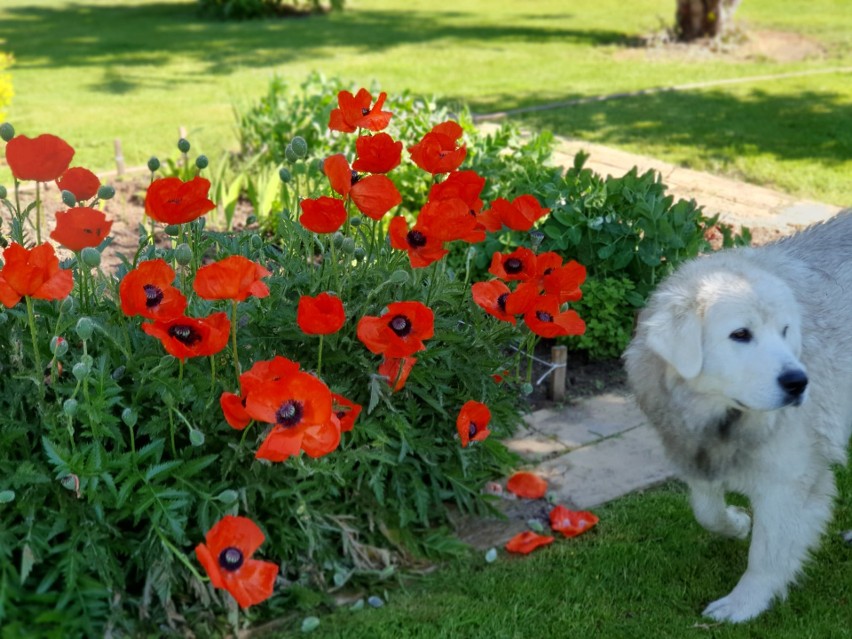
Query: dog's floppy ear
x,y
674,333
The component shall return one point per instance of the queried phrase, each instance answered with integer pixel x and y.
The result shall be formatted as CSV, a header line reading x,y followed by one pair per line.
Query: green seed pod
x,y
348,245
91,257
183,254
58,345
67,305
337,239
80,371
153,164
7,131
7,496
172,230
256,242
118,373
227,496
299,146
196,437
68,198
129,417
69,407
183,145
285,176
360,253
201,161
87,360
2,192
527,389
399,277
251,219
106,192
85,327
356,221
290,154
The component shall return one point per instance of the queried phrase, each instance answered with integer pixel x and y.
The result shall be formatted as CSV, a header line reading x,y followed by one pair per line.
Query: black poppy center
x,y
289,413
153,295
400,325
472,430
544,316
416,239
365,111
355,176
231,559
186,335
501,302
340,414
513,265
548,271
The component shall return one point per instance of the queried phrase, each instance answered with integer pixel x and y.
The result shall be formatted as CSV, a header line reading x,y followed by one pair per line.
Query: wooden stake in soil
x,y
119,158
559,358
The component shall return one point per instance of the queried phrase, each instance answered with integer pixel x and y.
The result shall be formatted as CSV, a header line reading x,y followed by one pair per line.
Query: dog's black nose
x,y
793,382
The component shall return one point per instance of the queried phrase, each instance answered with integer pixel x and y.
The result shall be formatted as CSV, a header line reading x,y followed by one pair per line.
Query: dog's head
x,y
734,334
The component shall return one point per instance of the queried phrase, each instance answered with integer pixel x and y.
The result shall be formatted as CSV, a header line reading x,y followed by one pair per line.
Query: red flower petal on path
x,y
80,181
323,214
571,522
80,227
524,543
226,557
527,485
320,315
170,200
33,272
232,278
472,422
377,153
147,291
43,158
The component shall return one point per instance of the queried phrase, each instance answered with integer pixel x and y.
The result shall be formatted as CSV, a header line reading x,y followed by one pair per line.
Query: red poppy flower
x,y
43,158
172,201
524,543
551,277
320,315
80,227
544,318
234,406
80,181
517,265
345,410
564,282
451,219
399,332
570,522
464,185
185,337
33,272
323,214
226,557
377,153
472,422
232,278
438,150
527,485
293,404
520,214
147,291
354,112
491,296
374,195
397,370
422,246
322,439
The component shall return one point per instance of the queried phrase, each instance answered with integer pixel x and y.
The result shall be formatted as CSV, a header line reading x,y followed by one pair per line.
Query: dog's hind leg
x,y
711,511
789,517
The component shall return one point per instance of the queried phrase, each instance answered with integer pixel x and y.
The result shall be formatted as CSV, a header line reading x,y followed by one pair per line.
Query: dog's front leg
x,y
789,518
711,511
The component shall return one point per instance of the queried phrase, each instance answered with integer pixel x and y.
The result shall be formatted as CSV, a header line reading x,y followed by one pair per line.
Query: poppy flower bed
x,y
299,410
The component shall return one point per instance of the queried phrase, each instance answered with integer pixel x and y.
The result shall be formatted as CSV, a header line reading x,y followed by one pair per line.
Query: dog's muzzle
x,y
793,382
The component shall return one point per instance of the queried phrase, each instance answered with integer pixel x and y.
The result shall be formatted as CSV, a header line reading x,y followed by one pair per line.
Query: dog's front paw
x,y
742,604
739,522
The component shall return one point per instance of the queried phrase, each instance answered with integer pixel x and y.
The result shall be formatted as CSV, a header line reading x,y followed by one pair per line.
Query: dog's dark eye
x,y
741,335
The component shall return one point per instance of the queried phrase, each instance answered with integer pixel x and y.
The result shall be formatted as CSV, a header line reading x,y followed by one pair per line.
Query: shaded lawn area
x,y
646,571
95,70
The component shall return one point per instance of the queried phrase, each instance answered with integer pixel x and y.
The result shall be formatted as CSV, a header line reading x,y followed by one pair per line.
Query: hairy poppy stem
x,y
319,357
234,339
38,213
34,336
179,555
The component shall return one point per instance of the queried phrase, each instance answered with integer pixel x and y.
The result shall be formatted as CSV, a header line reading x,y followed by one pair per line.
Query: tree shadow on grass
x,y
719,124
80,36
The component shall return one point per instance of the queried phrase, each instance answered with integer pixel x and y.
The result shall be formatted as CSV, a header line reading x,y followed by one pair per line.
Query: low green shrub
x,y
250,9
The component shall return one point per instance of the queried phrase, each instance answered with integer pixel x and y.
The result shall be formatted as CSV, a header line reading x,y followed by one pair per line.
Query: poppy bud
x,y
183,254
201,162
67,305
129,417
68,198
299,146
527,389
7,496
196,437
251,219
348,245
360,253
87,360
399,277
337,239
84,328
2,192
284,174
91,257
69,407
183,145
153,164
7,131
106,192
536,238
355,221
80,371
172,229
118,373
290,154
58,346
256,242
228,496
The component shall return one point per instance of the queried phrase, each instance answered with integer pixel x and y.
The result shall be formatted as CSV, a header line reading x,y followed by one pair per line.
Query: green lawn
x,y
95,70
645,572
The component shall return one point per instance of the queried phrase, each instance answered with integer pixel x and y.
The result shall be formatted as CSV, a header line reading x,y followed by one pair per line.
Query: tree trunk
x,y
704,18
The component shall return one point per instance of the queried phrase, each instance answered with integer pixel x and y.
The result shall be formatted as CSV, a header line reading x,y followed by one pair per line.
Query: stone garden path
x,y
600,448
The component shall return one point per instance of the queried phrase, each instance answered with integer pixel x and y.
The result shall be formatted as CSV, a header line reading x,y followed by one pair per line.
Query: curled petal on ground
x,y
571,522
524,543
527,485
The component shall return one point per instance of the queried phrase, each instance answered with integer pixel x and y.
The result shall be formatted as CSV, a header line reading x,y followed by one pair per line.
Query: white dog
x,y
743,362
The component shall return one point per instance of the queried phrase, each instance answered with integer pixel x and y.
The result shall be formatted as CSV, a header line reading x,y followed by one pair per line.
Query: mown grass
x,y
96,70
645,572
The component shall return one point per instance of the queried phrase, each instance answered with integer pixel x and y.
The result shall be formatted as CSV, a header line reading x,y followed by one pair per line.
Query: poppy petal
x,y
375,195
524,543
527,485
570,522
